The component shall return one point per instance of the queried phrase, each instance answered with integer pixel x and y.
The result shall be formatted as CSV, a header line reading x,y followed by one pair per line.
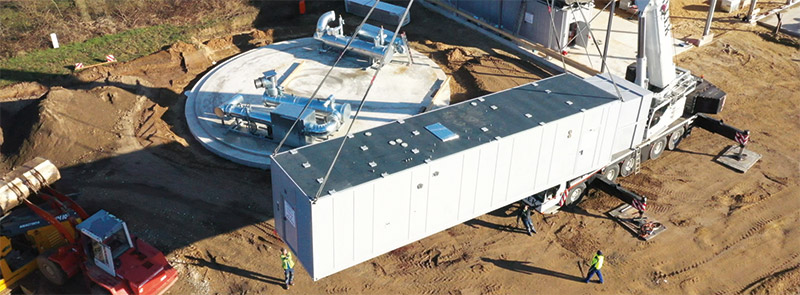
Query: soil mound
x,y
22,91
71,126
496,73
103,110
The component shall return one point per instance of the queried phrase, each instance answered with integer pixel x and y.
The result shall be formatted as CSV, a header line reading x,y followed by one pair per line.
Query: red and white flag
x,y
78,66
110,58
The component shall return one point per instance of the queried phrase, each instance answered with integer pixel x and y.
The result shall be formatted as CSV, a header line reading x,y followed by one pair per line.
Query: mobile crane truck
x,y
680,102
60,239
543,143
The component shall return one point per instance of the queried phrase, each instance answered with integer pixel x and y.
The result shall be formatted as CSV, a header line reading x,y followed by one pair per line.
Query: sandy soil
x,y
120,138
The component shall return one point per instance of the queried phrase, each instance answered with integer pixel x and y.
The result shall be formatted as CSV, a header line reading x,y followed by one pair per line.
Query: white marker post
x,y
54,39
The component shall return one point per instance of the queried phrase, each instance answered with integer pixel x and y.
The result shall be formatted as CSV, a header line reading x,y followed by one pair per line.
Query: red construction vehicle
x,y
115,261
100,246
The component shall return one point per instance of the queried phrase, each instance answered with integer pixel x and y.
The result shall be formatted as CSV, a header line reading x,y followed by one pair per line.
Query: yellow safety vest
x,y
597,261
287,261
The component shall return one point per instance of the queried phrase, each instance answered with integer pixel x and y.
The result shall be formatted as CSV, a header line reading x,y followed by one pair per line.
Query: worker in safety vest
x,y
288,267
597,264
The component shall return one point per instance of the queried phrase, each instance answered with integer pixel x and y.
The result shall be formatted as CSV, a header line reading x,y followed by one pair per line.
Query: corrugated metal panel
x,y
590,140
461,179
523,163
489,11
469,184
534,23
419,201
632,117
510,12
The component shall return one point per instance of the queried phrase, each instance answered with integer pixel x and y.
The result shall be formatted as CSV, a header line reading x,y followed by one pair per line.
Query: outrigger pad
x,y
645,228
729,158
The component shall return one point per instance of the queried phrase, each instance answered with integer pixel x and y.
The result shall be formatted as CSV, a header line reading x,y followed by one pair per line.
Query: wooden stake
x,y
94,65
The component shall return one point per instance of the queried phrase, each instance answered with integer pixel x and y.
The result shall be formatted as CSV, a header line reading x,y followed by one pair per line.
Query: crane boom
x,y
658,42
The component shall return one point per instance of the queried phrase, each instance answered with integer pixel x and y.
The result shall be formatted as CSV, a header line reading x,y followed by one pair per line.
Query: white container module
x,y
732,5
406,180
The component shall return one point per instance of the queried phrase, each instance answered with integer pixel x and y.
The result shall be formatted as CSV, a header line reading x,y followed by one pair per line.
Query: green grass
x,y
45,65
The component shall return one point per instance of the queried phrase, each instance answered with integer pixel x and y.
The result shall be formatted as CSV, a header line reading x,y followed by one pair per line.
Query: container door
x,y
289,217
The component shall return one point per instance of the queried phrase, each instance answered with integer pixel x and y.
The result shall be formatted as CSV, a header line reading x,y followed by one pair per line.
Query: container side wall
x,y
445,179
505,147
486,170
292,216
322,236
565,151
510,14
607,133
626,125
419,201
523,163
392,195
540,30
363,224
545,154
343,218
589,141
469,183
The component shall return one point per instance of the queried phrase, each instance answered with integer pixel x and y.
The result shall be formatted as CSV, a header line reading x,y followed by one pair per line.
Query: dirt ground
x,y
119,136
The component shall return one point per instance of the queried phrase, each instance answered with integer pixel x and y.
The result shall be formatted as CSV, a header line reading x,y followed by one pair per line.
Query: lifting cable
x,y
363,100
578,33
587,28
603,54
311,98
555,34
591,20
550,4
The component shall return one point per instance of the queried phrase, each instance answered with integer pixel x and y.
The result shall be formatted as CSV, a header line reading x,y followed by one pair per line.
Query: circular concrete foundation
x,y
400,90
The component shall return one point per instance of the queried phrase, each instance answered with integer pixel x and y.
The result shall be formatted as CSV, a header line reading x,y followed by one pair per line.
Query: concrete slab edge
x,y
194,125
758,19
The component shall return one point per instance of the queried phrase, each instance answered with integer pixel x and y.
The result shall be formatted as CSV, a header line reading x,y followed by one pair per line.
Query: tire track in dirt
x,y
441,264
698,263
787,264
763,216
768,283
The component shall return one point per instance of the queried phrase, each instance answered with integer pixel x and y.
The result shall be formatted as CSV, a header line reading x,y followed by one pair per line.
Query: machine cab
x,y
106,238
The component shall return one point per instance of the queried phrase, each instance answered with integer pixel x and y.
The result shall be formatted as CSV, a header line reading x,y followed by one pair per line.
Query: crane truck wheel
x,y
657,148
576,194
611,172
674,139
627,167
51,270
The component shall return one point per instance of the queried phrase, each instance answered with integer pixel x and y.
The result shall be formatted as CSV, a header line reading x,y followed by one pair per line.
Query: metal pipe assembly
x,y
279,110
372,41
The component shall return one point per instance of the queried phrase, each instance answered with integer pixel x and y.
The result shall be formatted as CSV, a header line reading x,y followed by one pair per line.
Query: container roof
x,y
400,145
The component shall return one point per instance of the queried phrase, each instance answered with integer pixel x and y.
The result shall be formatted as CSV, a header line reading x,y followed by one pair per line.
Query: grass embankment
x,y
47,64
